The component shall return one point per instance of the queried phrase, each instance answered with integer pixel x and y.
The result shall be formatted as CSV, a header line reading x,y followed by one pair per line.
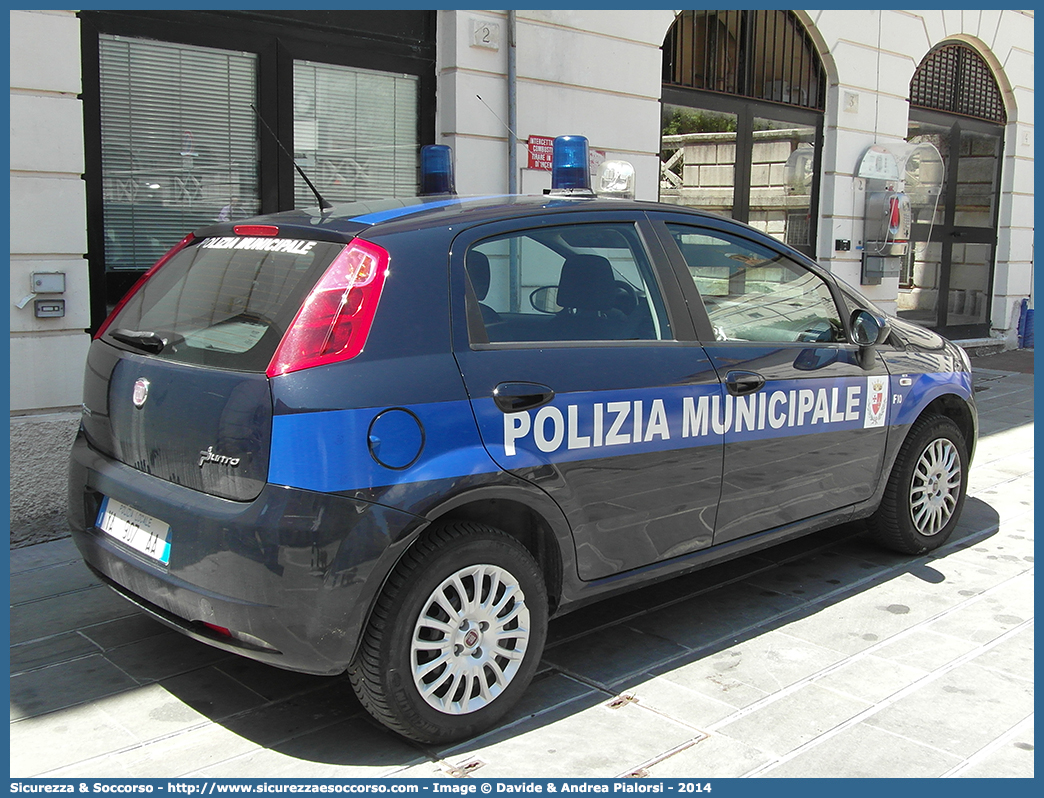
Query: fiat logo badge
x,y
141,391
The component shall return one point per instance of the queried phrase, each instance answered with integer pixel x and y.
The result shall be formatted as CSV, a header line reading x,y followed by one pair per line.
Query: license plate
x,y
135,529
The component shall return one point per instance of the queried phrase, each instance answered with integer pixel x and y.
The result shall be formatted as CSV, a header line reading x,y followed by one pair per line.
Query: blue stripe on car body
x,y
397,213
326,451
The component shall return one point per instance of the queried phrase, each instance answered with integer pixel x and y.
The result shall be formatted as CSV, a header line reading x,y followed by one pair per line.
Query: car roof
x,y
350,219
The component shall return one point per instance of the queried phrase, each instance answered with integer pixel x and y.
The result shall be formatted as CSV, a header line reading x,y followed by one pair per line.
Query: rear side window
x,y
586,282
224,302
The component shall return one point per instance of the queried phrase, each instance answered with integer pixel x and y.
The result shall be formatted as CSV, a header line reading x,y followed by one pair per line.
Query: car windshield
x,y
221,302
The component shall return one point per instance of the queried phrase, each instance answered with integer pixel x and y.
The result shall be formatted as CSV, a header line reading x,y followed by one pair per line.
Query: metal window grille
x,y
764,55
956,79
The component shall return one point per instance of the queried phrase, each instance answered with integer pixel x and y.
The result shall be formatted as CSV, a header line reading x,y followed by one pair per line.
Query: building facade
x,y
130,128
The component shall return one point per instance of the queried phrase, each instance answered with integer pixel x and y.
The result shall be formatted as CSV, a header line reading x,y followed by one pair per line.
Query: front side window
x,y
752,293
590,282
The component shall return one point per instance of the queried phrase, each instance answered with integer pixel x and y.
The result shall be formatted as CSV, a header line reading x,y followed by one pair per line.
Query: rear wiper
x,y
146,340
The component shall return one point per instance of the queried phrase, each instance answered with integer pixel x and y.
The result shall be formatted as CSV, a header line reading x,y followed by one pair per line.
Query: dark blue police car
x,y
394,438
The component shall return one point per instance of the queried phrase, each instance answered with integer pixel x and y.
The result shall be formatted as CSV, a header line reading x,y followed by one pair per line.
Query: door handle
x,y
740,383
516,397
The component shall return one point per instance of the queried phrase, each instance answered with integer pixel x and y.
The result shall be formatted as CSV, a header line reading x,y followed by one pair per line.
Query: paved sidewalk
x,y
822,657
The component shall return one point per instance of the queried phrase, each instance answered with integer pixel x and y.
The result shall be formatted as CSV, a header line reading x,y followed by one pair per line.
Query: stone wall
x,y
39,476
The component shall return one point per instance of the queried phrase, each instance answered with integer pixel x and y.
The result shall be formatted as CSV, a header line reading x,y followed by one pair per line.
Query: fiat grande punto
x,y
393,439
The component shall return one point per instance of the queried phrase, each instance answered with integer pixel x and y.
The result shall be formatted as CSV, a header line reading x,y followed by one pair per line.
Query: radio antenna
x,y
514,135
323,204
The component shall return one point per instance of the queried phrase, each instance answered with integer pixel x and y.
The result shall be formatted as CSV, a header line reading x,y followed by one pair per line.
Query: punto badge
x,y
141,391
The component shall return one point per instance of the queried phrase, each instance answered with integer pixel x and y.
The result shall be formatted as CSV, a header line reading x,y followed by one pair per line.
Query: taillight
x,y
144,279
220,631
334,321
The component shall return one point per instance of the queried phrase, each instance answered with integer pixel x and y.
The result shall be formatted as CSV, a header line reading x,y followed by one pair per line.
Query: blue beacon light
x,y
570,164
436,170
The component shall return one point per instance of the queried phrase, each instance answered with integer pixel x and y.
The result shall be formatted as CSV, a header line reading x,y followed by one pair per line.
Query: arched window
x,y
947,277
743,99
764,55
956,79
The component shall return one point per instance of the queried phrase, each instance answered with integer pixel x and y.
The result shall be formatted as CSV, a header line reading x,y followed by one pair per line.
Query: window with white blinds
x,y
355,133
179,144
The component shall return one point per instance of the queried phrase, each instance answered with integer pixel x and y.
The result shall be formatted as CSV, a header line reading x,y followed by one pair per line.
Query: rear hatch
x,y
176,384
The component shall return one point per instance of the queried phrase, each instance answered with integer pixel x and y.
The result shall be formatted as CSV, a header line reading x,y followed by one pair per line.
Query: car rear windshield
x,y
222,302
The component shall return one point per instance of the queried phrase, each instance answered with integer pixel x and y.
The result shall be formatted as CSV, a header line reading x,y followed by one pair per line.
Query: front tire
x,y
455,637
926,489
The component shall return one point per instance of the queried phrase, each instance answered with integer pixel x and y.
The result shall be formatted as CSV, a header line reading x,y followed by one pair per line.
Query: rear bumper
x,y
292,573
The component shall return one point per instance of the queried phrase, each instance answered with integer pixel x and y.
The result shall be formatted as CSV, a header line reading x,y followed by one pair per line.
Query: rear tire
x,y
926,489
455,637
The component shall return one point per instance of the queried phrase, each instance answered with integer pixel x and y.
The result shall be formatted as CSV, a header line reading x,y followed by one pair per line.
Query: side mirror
x,y
544,299
868,329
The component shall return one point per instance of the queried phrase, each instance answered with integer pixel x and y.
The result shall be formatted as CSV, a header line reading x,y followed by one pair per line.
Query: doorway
x,y
946,281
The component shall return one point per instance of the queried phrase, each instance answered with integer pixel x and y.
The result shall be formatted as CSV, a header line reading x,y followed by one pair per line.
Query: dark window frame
x,y
947,233
743,102
365,39
746,111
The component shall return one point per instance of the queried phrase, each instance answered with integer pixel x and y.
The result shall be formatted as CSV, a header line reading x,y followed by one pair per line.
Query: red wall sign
x,y
540,149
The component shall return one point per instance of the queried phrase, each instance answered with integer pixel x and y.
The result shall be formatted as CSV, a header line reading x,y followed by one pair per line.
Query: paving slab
x,y
300,714
212,693
871,678
128,629
169,757
725,613
550,690
1014,656
961,711
42,555
354,748
275,684
927,649
989,615
616,741
718,756
608,656
1008,757
66,684
698,675
41,653
769,662
588,619
865,751
815,576
160,657
54,580
867,618
42,745
67,613
668,697
793,719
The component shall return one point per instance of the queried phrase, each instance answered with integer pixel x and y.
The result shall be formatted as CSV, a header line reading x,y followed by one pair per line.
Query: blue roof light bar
x,y
436,170
570,164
